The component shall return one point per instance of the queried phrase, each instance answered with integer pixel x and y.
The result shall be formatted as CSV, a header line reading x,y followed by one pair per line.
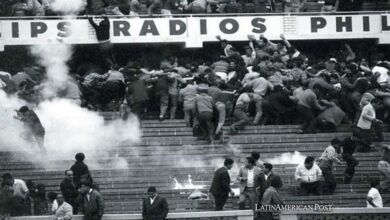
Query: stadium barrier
x,y
338,214
236,215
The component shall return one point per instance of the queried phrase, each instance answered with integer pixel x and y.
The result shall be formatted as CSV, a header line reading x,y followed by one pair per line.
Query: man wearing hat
x,y
367,121
247,177
33,124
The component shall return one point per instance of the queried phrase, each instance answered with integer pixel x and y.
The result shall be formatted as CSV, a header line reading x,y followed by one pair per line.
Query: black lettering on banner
x,y
225,30
64,29
38,28
366,23
347,24
203,26
258,25
15,29
149,27
385,24
317,23
177,27
121,27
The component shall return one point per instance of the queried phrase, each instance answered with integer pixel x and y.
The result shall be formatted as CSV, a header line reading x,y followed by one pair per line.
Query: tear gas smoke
x,y
68,7
69,129
53,58
288,158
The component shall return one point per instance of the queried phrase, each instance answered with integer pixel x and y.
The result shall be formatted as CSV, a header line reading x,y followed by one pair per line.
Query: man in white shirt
x,y
260,87
20,194
325,162
382,75
374,198
309,175
367,121
64,211
240,112
247,177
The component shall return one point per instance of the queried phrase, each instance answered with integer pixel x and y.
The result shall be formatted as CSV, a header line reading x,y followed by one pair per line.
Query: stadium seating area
x,y
145,7
124,188
170,152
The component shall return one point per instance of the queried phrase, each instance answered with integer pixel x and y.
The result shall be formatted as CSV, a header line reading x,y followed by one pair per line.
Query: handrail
x,y
197,15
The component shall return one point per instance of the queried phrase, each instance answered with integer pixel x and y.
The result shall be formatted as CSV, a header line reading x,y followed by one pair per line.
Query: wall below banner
x,y
229,215
338,214
193,31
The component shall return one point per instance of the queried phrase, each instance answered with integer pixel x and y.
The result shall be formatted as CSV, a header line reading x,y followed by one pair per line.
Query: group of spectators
x,y
168,7
259,185
272,81
79,194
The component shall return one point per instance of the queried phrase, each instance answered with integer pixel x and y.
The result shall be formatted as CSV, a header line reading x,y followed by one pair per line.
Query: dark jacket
x,y
156,211
138,91
68,190
31,120
162,85
263,184
79,169
93,209
221,182
102,30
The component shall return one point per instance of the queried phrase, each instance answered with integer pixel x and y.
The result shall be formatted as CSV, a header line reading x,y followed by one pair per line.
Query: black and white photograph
x,y
194,109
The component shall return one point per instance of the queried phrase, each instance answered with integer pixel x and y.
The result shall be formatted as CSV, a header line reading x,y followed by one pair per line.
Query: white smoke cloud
x,y
69,129
68,7
78,129
11,129
287,158
53,58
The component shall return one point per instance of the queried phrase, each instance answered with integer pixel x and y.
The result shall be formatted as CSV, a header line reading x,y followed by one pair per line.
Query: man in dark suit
x,y
264,180
91,202
220,187
69,190
79,169
154,207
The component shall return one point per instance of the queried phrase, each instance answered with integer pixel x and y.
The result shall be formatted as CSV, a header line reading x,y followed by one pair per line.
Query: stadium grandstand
x,y
194,109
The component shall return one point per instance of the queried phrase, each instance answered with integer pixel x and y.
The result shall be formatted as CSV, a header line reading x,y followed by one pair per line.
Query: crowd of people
x,y
168,7
274,82
80,194
263,83
259,185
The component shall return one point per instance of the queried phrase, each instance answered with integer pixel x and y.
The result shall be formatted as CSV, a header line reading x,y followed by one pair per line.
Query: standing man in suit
x,y
154,207
91,202
247,177
220,187
69,190
264,180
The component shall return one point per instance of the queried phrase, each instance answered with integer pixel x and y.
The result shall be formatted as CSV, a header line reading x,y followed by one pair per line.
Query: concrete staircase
x,y
169,150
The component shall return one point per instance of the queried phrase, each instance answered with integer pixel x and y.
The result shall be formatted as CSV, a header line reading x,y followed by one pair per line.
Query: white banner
x,y
195,30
